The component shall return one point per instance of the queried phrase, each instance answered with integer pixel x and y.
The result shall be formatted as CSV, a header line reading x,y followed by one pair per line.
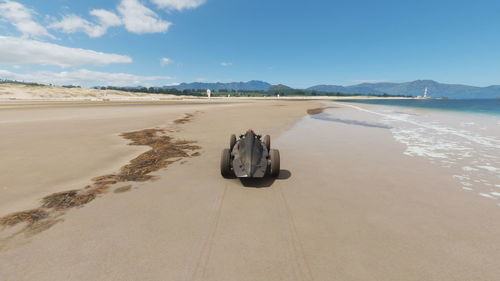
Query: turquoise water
x,y
486,106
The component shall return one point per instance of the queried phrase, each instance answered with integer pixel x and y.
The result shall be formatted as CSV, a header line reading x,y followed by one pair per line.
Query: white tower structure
x,y
209,93
425,93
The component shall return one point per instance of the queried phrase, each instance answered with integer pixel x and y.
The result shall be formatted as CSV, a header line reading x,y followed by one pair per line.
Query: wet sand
x,y
348,205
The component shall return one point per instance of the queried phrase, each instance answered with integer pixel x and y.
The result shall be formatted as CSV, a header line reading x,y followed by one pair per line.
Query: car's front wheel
x,y
274,169
225,164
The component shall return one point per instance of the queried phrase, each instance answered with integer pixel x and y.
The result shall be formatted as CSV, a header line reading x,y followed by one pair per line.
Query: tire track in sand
x,y
302,268
199,271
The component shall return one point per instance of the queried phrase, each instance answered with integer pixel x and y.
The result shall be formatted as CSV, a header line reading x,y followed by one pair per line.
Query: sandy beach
x,y
353,200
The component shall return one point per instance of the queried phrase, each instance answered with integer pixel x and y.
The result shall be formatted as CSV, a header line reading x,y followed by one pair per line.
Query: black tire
x,y
267,142
225,164
274,169
232,142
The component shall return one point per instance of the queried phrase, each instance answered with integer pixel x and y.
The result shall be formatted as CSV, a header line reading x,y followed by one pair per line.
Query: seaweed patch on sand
x,y
187,117
317,110
164,151
28,216
67,199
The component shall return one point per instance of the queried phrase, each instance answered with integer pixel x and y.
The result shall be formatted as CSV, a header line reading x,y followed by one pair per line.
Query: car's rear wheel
x,y
225,164
232,142
267,142
274,169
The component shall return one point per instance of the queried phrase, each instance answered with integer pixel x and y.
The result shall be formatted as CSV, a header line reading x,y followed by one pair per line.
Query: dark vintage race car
x,y
250,157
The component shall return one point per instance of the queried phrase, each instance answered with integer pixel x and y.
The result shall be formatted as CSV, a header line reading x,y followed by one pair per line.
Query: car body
x,y
250,157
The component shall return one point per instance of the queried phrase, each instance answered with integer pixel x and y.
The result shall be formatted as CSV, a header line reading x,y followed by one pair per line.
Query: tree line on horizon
x,y
275,90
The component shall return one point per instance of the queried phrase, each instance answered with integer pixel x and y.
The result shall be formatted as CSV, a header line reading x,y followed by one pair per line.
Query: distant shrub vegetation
x,y
275,90
6,81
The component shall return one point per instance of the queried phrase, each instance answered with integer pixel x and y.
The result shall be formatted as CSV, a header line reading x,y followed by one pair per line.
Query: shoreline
x,y
467,149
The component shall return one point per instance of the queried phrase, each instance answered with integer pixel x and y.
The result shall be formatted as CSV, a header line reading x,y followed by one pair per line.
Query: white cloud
x,y
139,19
106,18
17,51
22,18
83,77
165,61
178,4
73,23
226,63
133,14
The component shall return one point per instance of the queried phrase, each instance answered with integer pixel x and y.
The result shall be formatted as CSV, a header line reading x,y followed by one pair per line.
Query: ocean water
x,y
483,106
468,145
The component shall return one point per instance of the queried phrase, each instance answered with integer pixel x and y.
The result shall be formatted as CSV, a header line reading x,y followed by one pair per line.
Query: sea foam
x,y
460,147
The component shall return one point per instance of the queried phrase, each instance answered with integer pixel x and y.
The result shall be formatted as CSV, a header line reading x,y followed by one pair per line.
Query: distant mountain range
x,y
233,86
415,88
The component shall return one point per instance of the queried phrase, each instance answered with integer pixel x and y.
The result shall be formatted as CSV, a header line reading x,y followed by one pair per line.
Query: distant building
x,y
426,95
209,93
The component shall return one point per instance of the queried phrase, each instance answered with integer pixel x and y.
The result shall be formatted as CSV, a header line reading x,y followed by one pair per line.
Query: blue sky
x,y
298,43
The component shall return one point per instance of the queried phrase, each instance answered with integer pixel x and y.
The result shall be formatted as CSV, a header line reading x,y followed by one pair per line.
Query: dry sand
x,y
348,204
13,92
